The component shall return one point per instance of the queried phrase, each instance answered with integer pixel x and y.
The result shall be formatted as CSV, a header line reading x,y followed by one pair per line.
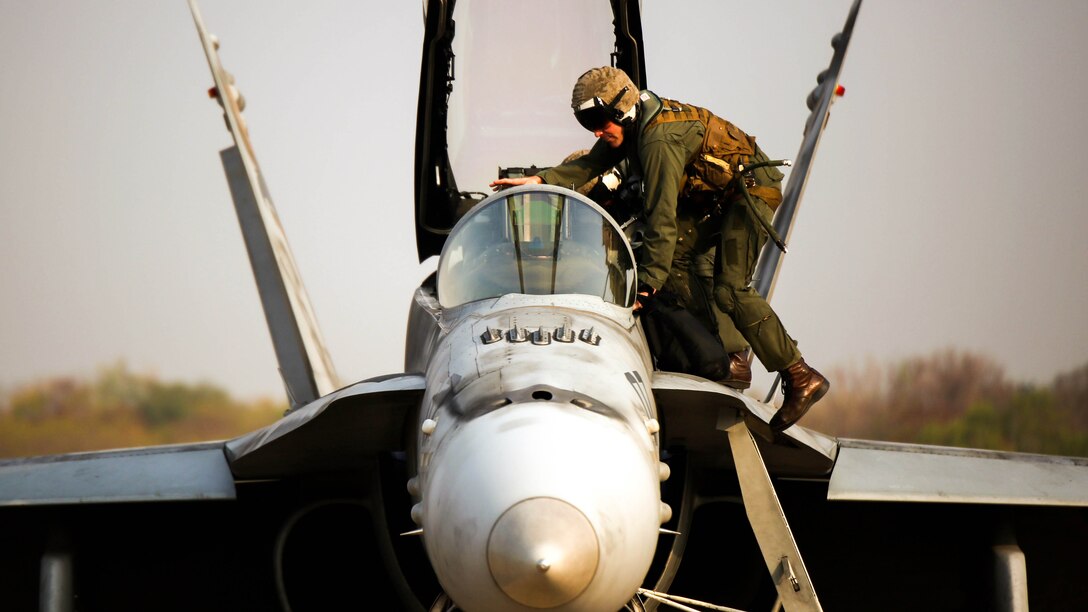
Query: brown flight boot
x,y
803,387
740,373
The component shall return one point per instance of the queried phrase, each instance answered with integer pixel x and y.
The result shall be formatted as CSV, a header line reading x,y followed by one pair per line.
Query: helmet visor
x,y
594,118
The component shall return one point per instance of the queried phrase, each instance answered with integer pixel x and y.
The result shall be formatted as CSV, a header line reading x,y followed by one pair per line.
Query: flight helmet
x,y
602,95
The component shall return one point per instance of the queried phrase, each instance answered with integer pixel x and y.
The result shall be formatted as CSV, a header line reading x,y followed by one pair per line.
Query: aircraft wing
x,y
886,471
162,473
338,432
696,413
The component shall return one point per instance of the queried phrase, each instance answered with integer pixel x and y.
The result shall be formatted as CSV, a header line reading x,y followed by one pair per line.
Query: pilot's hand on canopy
x,y
645,294
511,182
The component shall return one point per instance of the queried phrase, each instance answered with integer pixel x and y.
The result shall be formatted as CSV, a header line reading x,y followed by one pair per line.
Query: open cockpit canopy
x,y
495,92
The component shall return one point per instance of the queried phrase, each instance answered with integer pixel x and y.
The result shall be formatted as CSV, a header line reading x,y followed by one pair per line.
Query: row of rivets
x,y
539,337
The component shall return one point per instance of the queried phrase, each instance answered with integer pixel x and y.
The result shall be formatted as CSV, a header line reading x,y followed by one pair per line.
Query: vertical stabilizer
x,y
819,102
304,362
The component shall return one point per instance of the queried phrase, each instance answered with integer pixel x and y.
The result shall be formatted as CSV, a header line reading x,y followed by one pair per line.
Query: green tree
x,y
1071,395
955,398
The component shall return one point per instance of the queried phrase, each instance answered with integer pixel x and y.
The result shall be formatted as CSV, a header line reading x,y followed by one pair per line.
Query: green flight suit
x,y
691,279
675,228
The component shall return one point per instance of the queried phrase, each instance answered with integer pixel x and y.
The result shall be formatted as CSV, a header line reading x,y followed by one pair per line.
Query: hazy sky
x,y
947,206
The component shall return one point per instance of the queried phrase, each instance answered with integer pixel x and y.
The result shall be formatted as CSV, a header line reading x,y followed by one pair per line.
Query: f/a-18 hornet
x,y
529,456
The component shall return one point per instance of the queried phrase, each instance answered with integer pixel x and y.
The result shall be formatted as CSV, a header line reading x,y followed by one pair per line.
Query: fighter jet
x,y
528,455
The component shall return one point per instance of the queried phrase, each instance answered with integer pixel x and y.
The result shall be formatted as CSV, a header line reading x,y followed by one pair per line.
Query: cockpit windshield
x,y
537,241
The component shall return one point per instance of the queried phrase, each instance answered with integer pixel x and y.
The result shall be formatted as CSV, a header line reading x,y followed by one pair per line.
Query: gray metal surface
x,y
57,582
339,431
691,408
885,471
160,473
769,524
1010,579
770,258
303,359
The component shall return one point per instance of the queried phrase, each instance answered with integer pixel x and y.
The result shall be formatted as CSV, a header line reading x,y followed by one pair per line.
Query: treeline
x,y
955,398
949,398
119,409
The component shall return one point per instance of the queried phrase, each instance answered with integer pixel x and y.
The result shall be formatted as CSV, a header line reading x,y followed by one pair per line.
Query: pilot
x,y
688,159
690,286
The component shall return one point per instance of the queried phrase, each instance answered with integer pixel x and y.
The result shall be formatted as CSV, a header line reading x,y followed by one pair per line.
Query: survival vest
x,y
725,146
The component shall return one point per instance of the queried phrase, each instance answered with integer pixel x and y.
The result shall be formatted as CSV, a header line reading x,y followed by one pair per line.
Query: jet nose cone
x,y
542,552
